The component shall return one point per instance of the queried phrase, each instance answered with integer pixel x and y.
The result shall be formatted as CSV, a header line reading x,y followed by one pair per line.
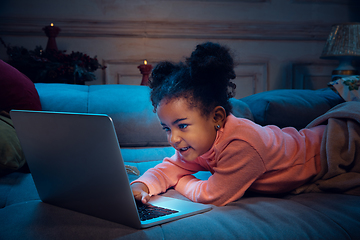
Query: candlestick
x,y
145,70
51,32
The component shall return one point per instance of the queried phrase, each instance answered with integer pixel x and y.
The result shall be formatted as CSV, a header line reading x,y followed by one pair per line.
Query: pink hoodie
x,y
244,156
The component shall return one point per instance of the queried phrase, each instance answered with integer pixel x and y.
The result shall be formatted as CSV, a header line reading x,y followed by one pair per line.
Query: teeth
x,y
184,149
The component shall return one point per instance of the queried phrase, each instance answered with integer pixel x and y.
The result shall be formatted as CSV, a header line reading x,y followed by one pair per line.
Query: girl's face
x,y
188,131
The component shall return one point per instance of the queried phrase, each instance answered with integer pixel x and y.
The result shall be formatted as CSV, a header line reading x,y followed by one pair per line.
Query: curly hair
x,y
203,79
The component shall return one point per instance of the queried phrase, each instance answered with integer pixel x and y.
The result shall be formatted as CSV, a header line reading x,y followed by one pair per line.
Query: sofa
x,y
143,145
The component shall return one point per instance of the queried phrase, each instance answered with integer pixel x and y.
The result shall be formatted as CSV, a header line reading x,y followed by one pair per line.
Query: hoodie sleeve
x,y
239,165
167,174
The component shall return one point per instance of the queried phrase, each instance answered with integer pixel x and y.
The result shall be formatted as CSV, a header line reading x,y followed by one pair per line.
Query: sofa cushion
x,y
17,187
11,154
63,97
128,105
291,107
16,90
274,218
125,104
307,216
241,109
130,108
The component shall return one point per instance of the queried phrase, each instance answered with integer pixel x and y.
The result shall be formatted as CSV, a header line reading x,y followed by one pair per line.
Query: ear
x,y
219,116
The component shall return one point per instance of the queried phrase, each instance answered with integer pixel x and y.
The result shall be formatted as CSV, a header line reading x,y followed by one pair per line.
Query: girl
x,y
191,100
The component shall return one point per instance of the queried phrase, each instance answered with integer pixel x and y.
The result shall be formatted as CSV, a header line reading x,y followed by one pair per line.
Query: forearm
x,y
155,181
163,176
207,192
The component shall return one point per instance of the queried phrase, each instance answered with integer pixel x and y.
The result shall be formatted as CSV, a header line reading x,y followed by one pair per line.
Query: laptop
x,y
76,163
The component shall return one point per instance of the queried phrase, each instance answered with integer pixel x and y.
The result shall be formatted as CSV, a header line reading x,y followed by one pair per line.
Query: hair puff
x,y
211,62
161,72
204,79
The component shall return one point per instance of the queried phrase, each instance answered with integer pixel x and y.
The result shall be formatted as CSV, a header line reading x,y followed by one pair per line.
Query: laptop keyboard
x,y
148,211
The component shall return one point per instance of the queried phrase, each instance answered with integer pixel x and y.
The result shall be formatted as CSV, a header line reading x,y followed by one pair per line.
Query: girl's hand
x,y
140,192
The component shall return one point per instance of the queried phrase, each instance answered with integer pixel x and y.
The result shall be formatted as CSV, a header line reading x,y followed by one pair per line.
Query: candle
x,y
145,70
51,32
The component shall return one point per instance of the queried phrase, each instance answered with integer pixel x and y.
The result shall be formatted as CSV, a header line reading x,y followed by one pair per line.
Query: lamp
x,y
343,44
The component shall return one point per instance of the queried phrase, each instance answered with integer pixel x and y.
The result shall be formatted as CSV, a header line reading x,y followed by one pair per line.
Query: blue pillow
x,y
291,107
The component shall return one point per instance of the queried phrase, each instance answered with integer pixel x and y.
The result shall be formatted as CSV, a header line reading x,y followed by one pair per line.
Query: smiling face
x,y
188,130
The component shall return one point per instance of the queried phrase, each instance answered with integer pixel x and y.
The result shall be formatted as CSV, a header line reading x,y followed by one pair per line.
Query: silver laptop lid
x,y
67,153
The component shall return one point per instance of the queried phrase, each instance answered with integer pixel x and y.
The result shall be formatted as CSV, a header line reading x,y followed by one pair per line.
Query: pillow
x,y
291,107
240,109
348,88
11,154
16,90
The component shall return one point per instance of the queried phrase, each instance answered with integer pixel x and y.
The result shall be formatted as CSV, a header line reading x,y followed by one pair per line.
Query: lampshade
x,y
343,44
343,41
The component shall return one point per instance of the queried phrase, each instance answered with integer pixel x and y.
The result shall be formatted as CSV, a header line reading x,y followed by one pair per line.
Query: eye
x,y
166,129
183,126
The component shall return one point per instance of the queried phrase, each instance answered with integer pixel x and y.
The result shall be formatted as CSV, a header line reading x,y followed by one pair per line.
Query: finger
x,y
138,196
145,197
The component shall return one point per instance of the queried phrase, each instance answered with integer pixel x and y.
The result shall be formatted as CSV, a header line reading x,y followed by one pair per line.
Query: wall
x,y
276,43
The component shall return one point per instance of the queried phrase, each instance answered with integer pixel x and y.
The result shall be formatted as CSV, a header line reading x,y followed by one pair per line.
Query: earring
x,y
217,127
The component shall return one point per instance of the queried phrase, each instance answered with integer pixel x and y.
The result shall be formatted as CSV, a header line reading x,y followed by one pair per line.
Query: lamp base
x,y
345,68
337,74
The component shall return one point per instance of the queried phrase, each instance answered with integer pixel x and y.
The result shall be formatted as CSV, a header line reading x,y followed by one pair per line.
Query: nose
x,y
174,138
